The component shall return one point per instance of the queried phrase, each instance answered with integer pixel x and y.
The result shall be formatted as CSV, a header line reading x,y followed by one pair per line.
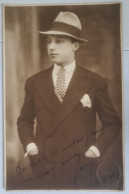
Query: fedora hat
x,y
68,24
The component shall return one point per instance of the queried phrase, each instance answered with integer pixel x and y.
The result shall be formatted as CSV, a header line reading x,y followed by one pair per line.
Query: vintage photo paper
x,y
63,130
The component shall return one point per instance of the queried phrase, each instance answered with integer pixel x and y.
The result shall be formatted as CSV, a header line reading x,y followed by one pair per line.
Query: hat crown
x,y
66,24
68,18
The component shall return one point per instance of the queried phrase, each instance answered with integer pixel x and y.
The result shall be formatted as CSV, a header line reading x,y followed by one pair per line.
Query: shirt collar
x,y
68,68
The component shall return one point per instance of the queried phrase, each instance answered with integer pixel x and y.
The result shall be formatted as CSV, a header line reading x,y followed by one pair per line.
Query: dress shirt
x,y
69,70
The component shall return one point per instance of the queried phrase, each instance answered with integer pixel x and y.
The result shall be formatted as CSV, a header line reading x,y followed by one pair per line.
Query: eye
x,y
59,40
48,41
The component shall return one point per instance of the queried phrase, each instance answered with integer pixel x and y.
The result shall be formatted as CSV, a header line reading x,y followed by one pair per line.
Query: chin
x,y
55,61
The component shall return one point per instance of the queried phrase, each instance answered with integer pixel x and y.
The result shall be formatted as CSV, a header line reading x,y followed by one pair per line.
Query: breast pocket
x,y
84,108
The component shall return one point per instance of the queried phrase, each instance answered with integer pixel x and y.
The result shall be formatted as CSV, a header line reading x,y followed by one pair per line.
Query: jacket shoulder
x,y
91,74
99,81
39,74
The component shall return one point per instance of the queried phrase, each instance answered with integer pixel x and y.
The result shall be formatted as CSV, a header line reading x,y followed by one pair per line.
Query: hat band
x,y
67,28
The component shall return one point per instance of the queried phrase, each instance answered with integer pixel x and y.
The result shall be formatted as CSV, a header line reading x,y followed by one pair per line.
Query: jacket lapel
x,y
79,85
45,89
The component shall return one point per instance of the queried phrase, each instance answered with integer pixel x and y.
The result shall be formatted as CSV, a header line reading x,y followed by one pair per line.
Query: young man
x,y
64,100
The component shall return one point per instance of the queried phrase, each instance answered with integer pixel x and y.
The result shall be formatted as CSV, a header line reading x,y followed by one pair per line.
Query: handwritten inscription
x,y
108,176
75,141
19,169
104,176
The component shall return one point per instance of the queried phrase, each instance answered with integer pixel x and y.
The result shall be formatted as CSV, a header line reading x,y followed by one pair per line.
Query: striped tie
x,y
60,84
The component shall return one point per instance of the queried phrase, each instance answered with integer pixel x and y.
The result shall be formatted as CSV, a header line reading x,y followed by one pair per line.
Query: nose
x,y
52,45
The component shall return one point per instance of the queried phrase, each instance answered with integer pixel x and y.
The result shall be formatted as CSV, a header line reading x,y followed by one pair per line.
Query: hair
x,y
73,39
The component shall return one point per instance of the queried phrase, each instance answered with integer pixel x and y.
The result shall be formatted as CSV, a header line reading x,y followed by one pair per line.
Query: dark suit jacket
x,y
67,130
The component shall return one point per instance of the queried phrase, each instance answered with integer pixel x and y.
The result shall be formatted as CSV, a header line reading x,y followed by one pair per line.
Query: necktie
x,y
60,84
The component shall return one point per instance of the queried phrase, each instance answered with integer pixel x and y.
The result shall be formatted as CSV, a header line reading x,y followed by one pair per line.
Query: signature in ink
x,y
88,167
19,169
75,141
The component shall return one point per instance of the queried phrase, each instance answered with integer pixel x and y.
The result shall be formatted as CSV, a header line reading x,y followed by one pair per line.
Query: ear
x,y
76,46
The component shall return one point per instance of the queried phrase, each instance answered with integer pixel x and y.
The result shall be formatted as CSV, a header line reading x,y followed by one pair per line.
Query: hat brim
x,y
63,33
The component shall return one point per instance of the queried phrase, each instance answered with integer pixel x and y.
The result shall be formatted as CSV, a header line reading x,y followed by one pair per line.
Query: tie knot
x,y
61,70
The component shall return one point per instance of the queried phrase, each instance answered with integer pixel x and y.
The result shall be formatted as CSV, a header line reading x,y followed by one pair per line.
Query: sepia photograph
x,y
63,120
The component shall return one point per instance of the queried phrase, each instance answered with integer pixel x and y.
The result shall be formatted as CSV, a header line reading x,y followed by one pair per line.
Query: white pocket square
x,y
86,101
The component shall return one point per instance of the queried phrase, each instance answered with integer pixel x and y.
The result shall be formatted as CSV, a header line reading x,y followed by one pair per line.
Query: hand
x,y
33,151
90,154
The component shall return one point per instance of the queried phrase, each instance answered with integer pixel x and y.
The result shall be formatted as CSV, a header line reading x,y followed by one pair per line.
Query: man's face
x,y
61,49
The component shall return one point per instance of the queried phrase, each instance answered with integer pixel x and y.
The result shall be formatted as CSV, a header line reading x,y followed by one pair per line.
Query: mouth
x,y
53,54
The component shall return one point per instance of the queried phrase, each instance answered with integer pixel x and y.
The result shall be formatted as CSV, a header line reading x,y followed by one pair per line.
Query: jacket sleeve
x,y
108,116
25,121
